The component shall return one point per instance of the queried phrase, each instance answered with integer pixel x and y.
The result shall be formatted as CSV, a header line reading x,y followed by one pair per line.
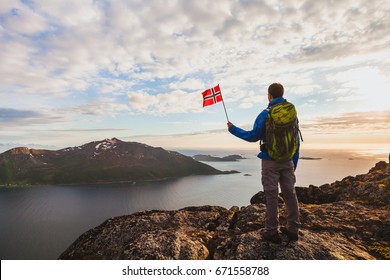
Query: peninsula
x,y
108,160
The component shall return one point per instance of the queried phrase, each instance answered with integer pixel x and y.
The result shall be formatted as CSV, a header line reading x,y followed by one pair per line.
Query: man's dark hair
x,y
276,90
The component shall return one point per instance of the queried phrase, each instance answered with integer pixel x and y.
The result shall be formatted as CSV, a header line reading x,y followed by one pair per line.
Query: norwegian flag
x,y
211,96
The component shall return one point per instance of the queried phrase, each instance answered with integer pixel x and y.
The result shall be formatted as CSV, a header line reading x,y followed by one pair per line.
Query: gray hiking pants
x,y
272,174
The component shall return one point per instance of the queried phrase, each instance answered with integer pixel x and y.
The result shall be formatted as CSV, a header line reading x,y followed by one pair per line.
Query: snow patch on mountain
x,y
72,149
106,144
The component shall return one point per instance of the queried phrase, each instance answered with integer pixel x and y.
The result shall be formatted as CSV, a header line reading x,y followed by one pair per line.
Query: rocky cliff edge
x,y
349,219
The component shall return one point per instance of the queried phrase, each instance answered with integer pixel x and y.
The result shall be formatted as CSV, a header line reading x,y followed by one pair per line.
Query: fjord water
x,y
40,222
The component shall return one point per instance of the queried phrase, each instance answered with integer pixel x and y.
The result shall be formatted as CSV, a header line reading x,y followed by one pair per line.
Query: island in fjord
x,y
214,158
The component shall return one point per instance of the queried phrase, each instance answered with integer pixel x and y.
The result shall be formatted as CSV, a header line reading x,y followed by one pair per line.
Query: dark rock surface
x,y
338,222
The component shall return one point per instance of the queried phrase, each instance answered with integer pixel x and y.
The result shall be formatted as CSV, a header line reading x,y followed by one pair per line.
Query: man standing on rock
x,y
277,129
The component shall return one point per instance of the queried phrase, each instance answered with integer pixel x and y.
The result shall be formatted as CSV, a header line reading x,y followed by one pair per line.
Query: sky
x,y
73,72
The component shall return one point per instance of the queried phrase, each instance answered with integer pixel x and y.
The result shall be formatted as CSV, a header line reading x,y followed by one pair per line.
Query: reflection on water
x,y
41,222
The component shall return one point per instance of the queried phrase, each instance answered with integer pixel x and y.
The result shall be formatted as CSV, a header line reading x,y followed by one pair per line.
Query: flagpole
x,y
223,102
225,110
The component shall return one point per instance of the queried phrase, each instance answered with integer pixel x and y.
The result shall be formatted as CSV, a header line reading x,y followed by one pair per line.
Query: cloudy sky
x,y
78,71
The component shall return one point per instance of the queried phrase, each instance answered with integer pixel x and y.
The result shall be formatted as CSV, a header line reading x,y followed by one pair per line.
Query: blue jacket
x,y
258,132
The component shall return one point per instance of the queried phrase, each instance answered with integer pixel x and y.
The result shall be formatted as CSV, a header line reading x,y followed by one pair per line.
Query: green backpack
x,y
281,131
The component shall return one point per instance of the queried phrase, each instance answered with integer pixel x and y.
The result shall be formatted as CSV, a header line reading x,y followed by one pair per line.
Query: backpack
x,y
281,131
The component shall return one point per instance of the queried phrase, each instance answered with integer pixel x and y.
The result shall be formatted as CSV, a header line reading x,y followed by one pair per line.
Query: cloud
x,y
342,29
22,118
114,86
362,122
365,86
179,39
164,103
9,115
78,62
91,129
15,118
251,99
100,108
188,84
14,20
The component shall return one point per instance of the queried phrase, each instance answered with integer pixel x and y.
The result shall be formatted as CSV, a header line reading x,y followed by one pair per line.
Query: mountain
x,y
348,219
109,160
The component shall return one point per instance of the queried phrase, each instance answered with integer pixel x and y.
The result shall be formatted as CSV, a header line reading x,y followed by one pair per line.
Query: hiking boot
x,y
292,236
272,237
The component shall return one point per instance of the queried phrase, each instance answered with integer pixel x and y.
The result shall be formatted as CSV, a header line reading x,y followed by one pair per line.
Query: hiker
x,y
278,168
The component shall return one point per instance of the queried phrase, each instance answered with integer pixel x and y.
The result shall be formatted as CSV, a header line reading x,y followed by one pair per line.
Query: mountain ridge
x,y
108,160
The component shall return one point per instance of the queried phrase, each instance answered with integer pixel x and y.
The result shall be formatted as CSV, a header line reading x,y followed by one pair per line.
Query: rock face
x,y
350,226
109,160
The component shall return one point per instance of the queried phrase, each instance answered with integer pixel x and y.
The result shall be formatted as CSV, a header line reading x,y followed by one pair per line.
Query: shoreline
x,y
228,172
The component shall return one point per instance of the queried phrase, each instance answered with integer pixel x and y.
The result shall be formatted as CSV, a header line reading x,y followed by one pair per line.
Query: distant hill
x,y
310,158
213,158
109,160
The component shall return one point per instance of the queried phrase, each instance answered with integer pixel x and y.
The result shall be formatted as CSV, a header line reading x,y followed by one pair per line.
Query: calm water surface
x,y
41,222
